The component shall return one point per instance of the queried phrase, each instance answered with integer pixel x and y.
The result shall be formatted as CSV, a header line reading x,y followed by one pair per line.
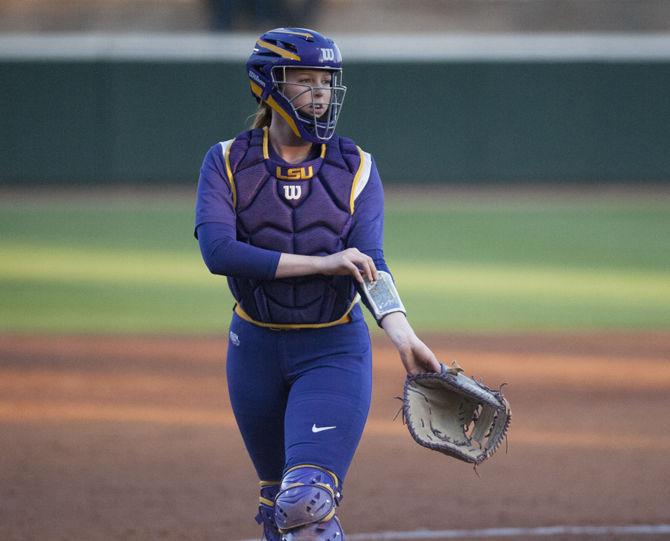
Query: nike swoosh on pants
x,y
316,429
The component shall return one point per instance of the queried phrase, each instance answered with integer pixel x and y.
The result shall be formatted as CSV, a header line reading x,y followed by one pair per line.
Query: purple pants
x,y
300,396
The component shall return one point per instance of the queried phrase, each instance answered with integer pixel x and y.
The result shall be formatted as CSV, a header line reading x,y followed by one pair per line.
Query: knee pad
x,y
266,510
306,503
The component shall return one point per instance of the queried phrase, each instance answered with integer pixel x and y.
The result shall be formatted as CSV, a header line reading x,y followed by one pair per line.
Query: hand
x,y
416,357
350,261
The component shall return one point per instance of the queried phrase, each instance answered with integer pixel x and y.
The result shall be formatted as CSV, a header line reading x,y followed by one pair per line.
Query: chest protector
x,y
301,209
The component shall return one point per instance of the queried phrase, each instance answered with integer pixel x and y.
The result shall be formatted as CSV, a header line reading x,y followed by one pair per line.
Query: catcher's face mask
x,y
315,96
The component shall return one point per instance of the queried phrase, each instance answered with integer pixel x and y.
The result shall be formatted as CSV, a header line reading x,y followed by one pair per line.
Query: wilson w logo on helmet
x,y
295,173
327,55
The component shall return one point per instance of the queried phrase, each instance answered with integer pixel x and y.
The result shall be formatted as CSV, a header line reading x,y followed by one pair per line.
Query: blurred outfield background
x,y
490,262
526,168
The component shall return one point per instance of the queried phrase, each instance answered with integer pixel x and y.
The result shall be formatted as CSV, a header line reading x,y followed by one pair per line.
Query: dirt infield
x,y
114,437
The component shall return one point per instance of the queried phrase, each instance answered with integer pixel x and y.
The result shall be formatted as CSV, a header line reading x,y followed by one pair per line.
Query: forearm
x,y
347,262
228,257
225,255
291,265
398,329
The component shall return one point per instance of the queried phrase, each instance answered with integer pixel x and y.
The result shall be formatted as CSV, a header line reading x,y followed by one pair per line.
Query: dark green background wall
x,y
151,122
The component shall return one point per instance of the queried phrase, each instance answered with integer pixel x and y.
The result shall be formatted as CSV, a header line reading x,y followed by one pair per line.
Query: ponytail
x,y
262,116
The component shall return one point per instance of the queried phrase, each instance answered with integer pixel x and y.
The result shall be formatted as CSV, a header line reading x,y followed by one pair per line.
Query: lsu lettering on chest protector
x,y
304,209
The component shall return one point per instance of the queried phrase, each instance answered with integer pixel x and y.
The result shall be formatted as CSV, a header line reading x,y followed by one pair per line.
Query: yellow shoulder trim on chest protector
x,y
346,318
357,179
229,173
266,149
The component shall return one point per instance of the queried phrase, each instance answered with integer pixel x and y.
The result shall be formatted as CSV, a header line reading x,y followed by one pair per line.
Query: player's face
x,y
308,90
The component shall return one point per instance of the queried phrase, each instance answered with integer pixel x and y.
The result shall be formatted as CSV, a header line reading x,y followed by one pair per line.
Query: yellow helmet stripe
x,y
257,91
281,52
272,103
303,34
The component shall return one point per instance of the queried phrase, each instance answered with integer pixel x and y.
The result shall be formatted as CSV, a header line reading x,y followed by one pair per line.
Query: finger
x,y
408,363
368,270
374,269
361,262
353,269
434,364
428,359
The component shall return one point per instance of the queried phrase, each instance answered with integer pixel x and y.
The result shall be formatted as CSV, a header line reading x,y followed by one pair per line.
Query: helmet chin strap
x,y
266,92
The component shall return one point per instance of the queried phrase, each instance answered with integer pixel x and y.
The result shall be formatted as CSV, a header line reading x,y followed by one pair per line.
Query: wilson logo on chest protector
x,y
295,173
292,192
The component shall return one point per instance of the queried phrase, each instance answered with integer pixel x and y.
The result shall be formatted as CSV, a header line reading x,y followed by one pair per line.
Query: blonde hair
x,y
262,116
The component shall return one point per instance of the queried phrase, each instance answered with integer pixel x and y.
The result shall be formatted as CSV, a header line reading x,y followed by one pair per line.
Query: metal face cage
x,y
318,124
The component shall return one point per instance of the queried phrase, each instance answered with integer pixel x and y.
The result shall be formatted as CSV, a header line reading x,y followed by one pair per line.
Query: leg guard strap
x,y
266,510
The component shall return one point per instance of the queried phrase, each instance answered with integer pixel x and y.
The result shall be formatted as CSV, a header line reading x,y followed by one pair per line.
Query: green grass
x,y
131,266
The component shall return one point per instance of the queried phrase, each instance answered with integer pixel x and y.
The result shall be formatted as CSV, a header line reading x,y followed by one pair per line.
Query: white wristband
x,y
383,296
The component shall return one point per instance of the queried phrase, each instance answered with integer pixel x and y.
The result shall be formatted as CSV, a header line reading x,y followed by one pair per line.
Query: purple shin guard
x,y
305,505
331,530
266,513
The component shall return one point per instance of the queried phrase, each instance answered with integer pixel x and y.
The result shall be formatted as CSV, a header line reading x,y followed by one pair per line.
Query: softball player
x,y
292,214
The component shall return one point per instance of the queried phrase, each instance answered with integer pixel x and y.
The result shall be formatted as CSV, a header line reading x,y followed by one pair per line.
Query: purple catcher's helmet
x,y
284,48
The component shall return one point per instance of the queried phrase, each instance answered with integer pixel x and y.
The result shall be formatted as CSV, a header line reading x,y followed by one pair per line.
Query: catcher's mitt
x,y
455,415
